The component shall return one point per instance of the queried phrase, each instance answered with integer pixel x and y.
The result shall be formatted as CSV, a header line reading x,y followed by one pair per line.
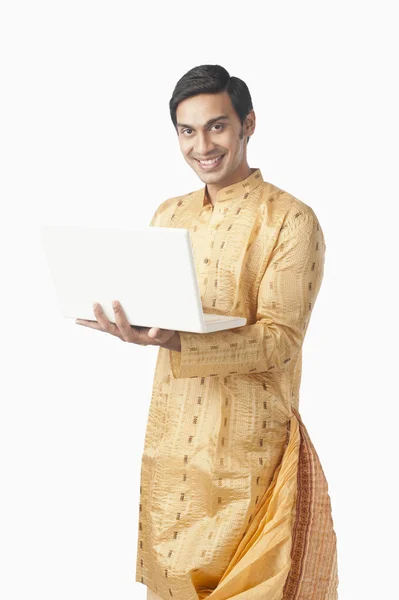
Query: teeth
x,y
209,162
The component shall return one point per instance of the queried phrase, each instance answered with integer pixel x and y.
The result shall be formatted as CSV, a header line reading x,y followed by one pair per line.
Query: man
x,y
234,502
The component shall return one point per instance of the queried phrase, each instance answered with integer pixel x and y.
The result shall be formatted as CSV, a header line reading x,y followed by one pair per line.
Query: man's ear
x,y
249,123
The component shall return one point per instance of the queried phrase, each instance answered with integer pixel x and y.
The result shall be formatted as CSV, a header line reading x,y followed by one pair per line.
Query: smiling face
x,y
209,130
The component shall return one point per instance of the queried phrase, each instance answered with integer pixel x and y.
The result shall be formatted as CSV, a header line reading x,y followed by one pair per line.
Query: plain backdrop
x,y
86,139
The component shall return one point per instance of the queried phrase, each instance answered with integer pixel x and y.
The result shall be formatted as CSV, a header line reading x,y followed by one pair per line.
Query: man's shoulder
x,y
170,204
282,205
285,204
174,201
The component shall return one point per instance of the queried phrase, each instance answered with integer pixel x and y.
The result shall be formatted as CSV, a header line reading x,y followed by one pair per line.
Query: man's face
x,y
209,128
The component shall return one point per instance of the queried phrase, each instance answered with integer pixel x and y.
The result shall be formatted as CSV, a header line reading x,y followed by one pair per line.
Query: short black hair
x,y
211,79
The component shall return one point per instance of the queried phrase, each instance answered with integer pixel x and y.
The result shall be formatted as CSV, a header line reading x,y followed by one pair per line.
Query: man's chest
x,y
230,246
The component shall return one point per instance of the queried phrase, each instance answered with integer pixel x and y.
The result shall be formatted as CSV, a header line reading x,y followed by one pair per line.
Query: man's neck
x,y
240,174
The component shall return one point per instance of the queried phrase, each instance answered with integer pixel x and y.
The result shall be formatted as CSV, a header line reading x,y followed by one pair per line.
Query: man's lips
x,y
210,162
209,157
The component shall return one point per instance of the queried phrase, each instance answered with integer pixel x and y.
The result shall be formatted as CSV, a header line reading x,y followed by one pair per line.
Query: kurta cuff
x,y
220,353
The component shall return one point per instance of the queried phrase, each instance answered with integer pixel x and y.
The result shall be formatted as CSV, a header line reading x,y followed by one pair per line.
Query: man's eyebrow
x,y
219,118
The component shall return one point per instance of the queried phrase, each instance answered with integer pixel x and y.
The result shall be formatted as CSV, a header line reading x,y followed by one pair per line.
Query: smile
x,y
211,163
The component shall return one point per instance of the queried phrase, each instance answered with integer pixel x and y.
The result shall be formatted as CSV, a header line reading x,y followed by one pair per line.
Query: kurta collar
x,y
245,186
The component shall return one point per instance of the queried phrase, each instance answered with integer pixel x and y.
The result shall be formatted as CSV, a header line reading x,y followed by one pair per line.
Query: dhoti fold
x,y
289,551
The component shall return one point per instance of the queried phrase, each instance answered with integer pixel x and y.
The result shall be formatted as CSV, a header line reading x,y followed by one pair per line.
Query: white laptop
x,y
151,271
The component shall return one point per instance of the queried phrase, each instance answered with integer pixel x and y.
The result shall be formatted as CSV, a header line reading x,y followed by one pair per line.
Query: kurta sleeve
x,y
155,218
286,297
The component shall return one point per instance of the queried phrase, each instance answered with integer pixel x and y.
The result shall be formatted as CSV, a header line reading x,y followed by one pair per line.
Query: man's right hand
x,y
122,329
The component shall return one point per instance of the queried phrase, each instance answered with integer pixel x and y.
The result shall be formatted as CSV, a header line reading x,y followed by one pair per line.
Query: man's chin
x,y
210,177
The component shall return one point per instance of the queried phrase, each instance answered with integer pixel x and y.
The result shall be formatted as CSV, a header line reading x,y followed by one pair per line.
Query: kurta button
x,y
206,260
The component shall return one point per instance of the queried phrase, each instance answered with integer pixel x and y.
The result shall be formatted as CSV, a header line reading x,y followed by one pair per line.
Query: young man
x,y
234,502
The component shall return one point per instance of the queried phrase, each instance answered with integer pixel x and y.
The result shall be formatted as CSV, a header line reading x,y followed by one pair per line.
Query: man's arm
x,y
287,294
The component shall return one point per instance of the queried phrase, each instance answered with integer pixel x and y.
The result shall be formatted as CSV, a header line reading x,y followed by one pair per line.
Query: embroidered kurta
x,y
233,499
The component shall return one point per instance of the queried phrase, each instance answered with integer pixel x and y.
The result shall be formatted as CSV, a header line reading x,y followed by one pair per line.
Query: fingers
x,y
101,324
122,323
154,332
135,335
122,328
160,336
104,322
88,323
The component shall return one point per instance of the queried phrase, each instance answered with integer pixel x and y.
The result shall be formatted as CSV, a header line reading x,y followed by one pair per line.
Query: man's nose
x,y
203,145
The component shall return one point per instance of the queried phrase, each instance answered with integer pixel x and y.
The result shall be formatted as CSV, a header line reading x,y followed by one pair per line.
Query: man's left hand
x,y
122,329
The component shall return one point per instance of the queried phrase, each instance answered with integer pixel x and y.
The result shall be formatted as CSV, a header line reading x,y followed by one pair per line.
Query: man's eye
x,y
185,130
218,125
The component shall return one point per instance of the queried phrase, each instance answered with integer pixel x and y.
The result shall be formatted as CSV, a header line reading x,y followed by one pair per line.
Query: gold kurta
x,y
229,476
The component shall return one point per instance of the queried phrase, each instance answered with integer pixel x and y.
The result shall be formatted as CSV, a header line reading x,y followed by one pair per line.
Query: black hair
x,y
211,79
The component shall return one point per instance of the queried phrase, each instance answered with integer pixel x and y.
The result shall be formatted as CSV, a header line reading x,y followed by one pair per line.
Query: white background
x,y
86,138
